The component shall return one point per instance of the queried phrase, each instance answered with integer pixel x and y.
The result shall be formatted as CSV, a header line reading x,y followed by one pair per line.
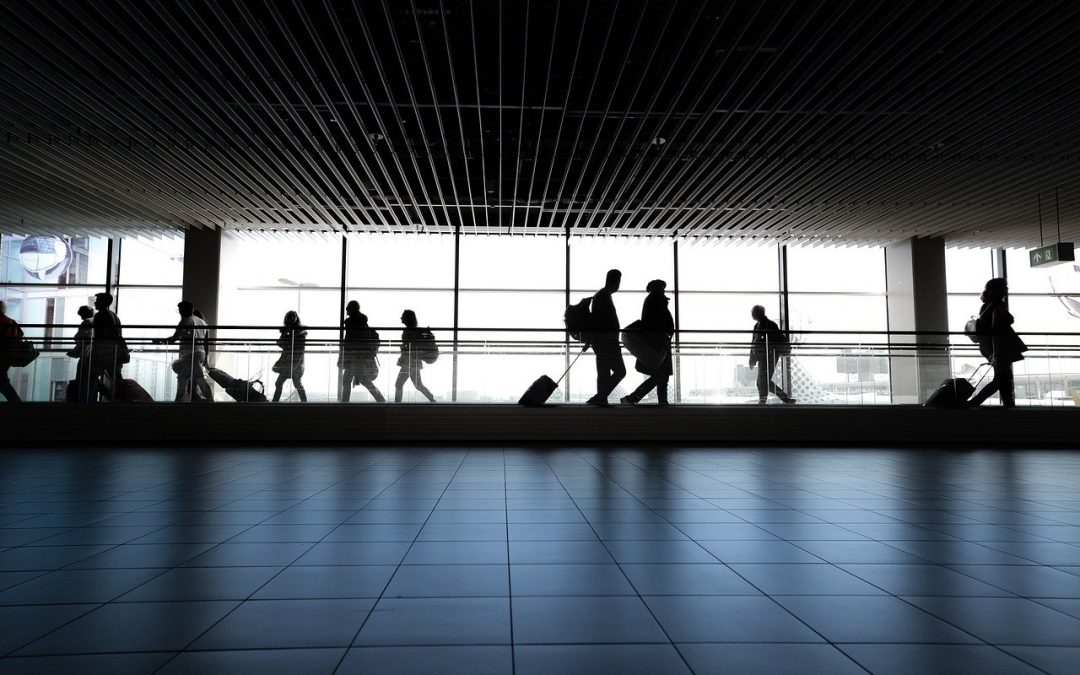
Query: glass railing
x,y
495,366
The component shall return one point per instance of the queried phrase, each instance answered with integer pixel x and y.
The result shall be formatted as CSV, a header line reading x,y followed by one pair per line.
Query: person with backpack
x,y
657,327
413,349
998,343
192,337
290,365
767,345
604,338
109,351
359,348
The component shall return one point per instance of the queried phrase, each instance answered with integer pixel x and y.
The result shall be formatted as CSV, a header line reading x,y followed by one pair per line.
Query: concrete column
x,y
202,270
917,301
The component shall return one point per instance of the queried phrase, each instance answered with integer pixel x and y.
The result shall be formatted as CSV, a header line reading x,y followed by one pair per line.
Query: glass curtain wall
x,y
509,282
388,274
719,283
838,289
263,276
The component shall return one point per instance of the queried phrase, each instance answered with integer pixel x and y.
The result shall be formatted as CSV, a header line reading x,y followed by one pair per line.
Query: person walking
x,y
10,338
657,327
410,361
109,351
290,365
998,343
604,339
766,346
192,337
358,360
80,389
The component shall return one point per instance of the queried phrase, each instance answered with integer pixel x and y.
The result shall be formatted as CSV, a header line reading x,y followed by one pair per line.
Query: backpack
x,y
783,343
371,343
577,318
427,349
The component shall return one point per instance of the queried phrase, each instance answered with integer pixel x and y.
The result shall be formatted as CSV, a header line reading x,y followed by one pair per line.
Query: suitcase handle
x,y
567,371
976,372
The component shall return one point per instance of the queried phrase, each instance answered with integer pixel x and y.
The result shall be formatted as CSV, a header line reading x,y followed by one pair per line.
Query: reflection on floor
x,y
576,560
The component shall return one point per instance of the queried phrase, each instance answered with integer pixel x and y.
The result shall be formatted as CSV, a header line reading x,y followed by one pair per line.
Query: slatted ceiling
x,y
841,123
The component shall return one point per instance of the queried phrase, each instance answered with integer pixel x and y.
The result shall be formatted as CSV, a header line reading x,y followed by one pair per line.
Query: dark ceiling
x,y
858,122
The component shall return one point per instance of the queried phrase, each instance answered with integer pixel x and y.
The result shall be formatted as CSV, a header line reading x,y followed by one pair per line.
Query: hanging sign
x,y
1051,254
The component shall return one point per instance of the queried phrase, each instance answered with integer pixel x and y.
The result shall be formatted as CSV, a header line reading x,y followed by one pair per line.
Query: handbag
x,y
23,354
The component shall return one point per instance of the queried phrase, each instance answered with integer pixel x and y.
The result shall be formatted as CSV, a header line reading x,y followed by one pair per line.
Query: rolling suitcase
x,y
130,391
540,390
955,391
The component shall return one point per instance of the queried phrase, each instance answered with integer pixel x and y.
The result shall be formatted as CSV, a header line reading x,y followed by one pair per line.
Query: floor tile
x,y
262,661
463,532
375,532
924,579
457,553
1070,606
1024,580
449,581
920,659
594,659
871,619
727,619
20,625
76,586
858,552
552,532
86,664
547,580
629,551
143,556
799,579
338,581
1050,659
355,553
1005,621
768,659
288,623
45,557
583,619
486,660
559,552
132,627
202,583
250,554
687,579
767,551
437,621
283,533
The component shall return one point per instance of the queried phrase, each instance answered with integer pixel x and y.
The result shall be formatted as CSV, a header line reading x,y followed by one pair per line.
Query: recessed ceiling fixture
x,y
376,136
659,140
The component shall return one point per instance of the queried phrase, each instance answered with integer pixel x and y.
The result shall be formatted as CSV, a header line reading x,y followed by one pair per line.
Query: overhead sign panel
x,y
1051,254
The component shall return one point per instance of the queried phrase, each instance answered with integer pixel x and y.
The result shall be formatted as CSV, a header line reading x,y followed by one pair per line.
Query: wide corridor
x,y
539,560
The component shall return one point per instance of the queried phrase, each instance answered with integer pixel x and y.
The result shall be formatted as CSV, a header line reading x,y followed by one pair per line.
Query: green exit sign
x,y
1051,254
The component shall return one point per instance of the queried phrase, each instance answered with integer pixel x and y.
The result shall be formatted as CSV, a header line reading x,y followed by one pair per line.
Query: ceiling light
x,y
659,140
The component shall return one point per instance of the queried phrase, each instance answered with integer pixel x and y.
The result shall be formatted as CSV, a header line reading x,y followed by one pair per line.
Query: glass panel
x,y
51,259
1023,278
838,269
639,260
401,261
153,262
504,262
967,269
706,266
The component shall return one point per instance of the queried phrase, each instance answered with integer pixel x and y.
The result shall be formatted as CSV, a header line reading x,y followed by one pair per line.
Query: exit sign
x,y
1051,254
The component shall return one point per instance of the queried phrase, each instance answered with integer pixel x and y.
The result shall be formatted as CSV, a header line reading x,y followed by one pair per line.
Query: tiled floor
x,y
585,560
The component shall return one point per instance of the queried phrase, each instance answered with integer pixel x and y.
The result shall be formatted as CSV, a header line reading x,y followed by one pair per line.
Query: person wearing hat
x,y
658,327
192,337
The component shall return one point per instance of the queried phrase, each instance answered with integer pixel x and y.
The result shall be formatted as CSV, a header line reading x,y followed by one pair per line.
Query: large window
x,y
838,289
509,282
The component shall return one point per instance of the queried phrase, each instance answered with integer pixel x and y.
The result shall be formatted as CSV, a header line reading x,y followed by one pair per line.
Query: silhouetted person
x,y
765,344
998,342
83,390
109,352
358,361
290,365
658,327
10,338
410,359
604,338
192,339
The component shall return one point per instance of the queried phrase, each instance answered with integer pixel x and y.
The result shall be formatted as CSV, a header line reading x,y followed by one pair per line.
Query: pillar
x,y
917,301
202,270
